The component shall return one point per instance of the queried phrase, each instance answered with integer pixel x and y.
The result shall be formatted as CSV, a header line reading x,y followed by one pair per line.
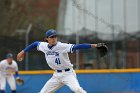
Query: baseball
x,y
20,59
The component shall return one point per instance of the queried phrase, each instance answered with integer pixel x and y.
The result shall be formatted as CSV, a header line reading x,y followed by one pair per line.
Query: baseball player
x,y
7,69
56,54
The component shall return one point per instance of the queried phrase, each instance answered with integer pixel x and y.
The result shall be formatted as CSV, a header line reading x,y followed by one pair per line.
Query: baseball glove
x,y
19,81
102,49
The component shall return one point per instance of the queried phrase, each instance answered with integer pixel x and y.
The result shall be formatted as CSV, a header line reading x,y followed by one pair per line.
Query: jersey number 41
x,y
57,61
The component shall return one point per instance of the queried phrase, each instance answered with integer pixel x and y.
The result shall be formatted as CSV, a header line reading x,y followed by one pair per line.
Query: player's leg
x,y
71,81
12,83
52,85
2,84
0,77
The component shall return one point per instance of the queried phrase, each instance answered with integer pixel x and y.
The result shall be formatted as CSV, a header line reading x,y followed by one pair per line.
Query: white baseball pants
x,y
11,81
62,78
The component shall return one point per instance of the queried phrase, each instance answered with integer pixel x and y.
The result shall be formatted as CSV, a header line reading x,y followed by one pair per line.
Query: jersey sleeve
x,y
41,46
1,66
16,66
67,47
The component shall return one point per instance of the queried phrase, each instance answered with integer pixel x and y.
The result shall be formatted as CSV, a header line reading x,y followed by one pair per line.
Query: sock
x,y
13,91
2,91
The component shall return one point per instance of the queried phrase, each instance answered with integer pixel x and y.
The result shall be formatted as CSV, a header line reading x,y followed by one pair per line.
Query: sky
x,y
84,14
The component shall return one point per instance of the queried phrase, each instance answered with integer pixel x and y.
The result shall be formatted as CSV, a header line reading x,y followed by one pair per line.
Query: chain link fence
x,y
123,51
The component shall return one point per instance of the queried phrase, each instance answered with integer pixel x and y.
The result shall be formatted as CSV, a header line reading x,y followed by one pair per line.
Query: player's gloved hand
x,y
19,81
102,49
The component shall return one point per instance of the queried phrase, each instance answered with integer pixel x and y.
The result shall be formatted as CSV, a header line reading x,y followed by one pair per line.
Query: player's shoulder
x,y
43,43
3,61
65,44
14,62
60,43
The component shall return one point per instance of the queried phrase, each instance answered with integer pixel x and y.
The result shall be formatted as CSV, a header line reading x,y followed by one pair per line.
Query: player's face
x,y
9,60
52,40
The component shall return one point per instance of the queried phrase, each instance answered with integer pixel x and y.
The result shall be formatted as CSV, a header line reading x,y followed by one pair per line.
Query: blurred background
x,y
114,22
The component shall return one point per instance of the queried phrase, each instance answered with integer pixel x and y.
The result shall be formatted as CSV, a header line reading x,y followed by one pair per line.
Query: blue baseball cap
x,y
51,32
9,55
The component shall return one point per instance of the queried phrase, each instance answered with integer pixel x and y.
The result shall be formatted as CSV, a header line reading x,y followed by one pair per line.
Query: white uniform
x,y
57,58
7,71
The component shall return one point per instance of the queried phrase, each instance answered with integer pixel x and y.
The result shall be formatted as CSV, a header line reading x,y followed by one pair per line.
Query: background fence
x,y
114,22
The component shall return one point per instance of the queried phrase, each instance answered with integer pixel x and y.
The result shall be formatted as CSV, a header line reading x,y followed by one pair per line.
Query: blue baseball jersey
x,y
57,56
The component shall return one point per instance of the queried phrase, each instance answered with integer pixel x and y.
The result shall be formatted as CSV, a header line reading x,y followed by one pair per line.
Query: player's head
x,y
51,36
9,58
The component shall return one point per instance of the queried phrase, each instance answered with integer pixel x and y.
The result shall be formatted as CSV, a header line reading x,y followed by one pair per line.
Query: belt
x,y
63,70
